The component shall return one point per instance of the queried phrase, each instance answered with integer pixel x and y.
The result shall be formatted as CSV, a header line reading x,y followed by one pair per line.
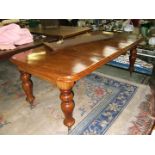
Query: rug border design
x,y
79,130
3,123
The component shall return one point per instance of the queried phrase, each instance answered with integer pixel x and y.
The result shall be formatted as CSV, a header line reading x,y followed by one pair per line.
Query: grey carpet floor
x,y
9,72
124,74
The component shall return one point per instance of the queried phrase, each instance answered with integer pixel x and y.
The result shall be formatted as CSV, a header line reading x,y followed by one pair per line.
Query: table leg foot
x,y
67,103
32,106
132,59
27,87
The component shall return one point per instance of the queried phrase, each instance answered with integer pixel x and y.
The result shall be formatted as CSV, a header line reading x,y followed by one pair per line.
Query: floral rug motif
x,y
103,105
142,123
140,65
111,97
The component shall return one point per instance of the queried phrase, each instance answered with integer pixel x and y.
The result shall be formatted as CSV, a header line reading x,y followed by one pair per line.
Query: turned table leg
x,y
27,87
67,103
132,59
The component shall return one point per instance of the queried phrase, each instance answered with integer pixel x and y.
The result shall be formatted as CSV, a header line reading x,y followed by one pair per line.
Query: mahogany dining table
x,y
65,63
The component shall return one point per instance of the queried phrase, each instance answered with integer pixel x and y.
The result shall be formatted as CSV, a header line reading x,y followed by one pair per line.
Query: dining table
x,y
64,63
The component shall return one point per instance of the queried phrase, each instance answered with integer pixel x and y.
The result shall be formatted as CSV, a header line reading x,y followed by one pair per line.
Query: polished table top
x,y
74,62
71,60
5,54
60,31
52,34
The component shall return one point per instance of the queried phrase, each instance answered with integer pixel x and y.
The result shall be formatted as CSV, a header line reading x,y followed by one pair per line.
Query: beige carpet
x,y
47,117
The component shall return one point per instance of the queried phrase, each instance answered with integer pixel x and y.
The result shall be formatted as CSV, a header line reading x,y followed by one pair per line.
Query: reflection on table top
x,y
5,54
74,62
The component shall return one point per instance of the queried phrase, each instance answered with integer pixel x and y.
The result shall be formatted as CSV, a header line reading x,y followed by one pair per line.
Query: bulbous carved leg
x,y
67,103
27,86
132,59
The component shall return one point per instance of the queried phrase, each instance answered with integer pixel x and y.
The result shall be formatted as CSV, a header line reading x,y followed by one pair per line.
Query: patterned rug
x,y
140,65
103,105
